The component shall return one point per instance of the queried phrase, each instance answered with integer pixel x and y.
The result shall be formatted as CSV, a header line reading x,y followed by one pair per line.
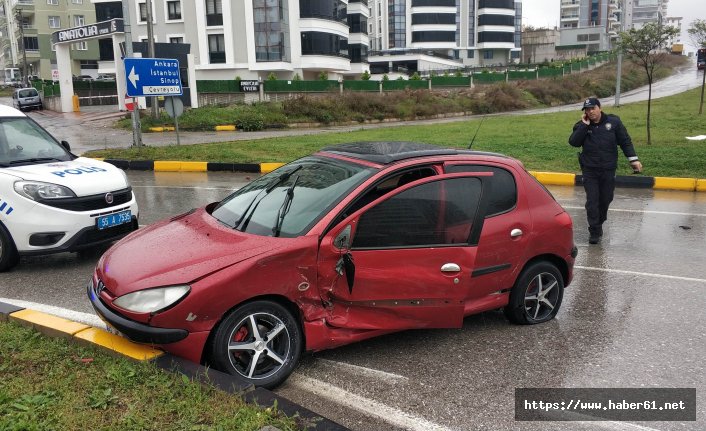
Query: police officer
x,y
600,135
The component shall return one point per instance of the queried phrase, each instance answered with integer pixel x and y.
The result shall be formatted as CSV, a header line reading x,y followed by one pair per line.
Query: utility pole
x,y
150,54
620,58
20,23
136,131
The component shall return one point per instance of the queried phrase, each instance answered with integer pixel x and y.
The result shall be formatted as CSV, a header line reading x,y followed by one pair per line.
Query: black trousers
x,y
599,185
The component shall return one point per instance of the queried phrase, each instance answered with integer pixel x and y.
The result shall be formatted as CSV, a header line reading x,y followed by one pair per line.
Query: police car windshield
x,y
23,142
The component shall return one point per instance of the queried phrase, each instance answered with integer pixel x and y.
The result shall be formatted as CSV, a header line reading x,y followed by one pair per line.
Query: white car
x,y
52,200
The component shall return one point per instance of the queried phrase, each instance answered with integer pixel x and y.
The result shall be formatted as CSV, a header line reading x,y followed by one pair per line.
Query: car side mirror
x,y
66,146
343,239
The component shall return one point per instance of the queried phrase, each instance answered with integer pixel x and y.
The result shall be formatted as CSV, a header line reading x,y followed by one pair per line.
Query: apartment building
x,y
425,35
25,38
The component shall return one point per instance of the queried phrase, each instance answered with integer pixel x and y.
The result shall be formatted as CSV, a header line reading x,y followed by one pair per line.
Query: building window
x,y
397,24
174,10
79,20
54,2
31,43
488,55
214,13
54,22
77,1
471,53
216,48
143,12
271,30
319,43
176,40
334,10
80,46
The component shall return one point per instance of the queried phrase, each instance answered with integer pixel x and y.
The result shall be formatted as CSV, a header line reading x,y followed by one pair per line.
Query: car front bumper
x,y
135,331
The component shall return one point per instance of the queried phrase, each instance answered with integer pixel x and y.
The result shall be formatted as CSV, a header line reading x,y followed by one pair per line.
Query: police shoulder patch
x,y
608,126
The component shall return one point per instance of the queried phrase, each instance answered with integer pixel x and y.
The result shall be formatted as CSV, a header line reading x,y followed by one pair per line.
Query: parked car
x,y
83,78
352,242
26,98
105,77
53,201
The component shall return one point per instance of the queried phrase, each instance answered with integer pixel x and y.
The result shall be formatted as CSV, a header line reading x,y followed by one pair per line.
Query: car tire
x,y
259,342
8,251
536,295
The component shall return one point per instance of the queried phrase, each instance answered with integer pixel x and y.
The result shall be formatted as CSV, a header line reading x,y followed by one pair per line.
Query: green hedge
x,y
225,86
284,86
522,74
488,77
405,84
361,85
549,72
450,81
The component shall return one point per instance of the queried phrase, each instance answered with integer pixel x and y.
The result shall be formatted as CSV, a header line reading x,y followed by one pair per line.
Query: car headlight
x,y
152,300
38,191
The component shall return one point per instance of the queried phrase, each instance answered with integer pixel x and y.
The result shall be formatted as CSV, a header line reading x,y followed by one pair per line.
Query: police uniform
x,y
599,160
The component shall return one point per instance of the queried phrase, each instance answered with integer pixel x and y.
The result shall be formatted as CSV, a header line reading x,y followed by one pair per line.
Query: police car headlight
x,y
37,191
152,300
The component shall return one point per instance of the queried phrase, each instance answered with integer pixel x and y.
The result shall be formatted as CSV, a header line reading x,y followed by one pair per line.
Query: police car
x,y
52,200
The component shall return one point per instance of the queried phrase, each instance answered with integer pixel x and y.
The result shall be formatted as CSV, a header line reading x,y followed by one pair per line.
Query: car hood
x,y
179,250
83,176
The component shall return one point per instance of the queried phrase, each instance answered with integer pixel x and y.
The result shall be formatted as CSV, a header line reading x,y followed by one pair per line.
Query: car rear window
x,y
30,92
503,186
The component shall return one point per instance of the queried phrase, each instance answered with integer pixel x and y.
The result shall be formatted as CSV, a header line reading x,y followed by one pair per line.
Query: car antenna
x,y
476,134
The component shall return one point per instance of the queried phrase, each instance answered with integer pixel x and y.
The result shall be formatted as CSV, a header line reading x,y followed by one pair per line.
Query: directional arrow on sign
x,y
133,77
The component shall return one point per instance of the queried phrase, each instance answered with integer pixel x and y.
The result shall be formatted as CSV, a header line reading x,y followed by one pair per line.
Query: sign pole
x,y
136,127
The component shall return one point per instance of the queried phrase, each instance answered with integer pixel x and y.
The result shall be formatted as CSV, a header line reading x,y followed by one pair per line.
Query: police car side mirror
x,y
66,146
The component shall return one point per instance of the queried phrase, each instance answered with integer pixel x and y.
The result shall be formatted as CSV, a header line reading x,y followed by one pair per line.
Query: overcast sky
x,y
545,13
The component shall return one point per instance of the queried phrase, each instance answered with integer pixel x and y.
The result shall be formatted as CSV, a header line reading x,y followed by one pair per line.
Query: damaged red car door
x,y
412,253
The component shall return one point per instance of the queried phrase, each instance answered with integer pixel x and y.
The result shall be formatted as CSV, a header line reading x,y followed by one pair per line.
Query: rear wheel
x,y
259,342
8,252
537,294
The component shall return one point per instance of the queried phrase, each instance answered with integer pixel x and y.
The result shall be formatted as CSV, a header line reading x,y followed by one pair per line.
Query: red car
x,y
352,242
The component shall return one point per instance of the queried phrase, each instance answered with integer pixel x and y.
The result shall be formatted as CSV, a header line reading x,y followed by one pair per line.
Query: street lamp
x,y
20,21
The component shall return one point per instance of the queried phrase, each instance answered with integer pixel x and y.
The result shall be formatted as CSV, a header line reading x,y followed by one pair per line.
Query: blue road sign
x,y
152,77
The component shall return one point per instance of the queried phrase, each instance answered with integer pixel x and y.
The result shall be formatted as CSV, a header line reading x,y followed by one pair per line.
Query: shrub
x,y
272,77
365,76
385,77
249,121
297,77
323,75
415,77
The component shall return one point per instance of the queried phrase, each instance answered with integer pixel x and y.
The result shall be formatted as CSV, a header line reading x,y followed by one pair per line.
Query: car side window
x,y
503,189
430,214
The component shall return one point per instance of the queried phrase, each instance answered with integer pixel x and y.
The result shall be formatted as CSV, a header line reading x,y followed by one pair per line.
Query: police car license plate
x,y
108,221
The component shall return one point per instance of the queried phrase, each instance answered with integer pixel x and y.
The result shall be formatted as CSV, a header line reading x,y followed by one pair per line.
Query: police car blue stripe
x,y
9,211
2,207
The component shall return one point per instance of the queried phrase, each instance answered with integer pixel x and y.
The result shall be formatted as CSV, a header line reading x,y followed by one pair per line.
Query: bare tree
x,y
697,34
647,47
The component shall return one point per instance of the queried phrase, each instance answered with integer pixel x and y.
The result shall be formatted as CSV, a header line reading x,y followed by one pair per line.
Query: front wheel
x,y
8,252
260,342
537,294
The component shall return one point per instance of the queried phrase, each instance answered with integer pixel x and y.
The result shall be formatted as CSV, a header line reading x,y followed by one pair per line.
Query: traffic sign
x,y
152,77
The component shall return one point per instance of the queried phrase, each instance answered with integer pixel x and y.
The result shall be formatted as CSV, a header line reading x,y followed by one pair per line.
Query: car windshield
x,y
23,142
29,92
288,201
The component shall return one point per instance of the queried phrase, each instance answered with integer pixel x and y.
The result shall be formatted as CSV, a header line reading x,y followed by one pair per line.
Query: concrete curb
x,y
547,178
54,326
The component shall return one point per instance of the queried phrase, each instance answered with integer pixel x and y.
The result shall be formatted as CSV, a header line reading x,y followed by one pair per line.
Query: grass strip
x,y
53,384
540,141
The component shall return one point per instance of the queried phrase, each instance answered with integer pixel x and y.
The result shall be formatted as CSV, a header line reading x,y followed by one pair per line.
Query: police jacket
x,y
600,142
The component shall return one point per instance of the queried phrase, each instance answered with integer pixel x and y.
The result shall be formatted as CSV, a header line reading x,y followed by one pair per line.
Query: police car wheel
x,y
8,252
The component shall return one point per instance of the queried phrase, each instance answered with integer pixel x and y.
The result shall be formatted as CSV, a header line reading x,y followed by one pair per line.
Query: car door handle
x,y
515,233
450,267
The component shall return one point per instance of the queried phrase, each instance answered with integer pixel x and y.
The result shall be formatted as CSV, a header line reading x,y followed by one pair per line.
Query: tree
x,y
646,47
697,34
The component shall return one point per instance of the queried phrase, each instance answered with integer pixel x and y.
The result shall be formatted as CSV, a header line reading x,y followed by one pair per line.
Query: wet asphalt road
x,y
633,317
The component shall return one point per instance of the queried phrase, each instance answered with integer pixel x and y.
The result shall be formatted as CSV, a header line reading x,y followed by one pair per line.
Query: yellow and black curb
x,y
54,326
547,178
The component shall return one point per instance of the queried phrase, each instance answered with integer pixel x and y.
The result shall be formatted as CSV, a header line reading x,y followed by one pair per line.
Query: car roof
x,y
9,111
386,152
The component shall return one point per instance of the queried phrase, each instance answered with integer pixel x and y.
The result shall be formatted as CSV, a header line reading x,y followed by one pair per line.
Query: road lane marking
x,y
364,405
642,274
642,211
371,372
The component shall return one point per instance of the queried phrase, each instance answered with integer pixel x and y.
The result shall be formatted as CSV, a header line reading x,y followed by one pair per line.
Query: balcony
x,y
214,19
